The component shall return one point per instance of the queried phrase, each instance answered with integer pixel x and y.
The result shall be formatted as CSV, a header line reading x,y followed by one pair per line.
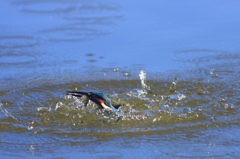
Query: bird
x,y
100,99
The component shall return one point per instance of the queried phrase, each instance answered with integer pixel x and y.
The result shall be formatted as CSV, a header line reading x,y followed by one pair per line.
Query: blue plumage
x,y
102,101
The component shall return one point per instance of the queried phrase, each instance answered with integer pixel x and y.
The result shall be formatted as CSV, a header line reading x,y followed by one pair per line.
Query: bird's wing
x,y
102,96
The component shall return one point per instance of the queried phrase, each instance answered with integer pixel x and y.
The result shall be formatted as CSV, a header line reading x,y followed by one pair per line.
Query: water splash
x,y
173,86
143,77
148,106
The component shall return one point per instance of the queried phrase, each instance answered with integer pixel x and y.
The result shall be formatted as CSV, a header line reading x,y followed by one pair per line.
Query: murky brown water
x,y
189,107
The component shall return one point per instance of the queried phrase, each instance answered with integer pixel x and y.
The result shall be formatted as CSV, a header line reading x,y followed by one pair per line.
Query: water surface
x,y
187,107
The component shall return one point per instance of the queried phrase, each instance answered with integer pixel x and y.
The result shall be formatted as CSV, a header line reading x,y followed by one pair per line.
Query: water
x,y
184,104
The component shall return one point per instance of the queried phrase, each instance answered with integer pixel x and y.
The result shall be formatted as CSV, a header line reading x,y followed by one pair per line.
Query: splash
x,y
148,105
140,104
143,76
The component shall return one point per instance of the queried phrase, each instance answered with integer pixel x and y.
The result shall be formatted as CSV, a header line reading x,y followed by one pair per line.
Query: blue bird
x,y
100,99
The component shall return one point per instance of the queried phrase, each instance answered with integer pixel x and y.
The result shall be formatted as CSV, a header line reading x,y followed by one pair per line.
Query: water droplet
x,y
166,106
143,77
116,70
30,127
58,105
211,71
181,96
215,76
228,106
222,100
127,74
32,148
200,110
39,109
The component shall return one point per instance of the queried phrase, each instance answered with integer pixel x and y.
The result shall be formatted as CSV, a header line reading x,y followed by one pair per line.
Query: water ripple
x,y
107,154
71,33
83,20
45,110
45,6
16,58
12,42
199,56
64,6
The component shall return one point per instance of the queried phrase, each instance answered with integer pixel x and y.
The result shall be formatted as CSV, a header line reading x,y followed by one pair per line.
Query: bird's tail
x,y
76,93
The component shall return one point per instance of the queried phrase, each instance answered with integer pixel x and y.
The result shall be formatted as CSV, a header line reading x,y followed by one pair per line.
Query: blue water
x,y
48,47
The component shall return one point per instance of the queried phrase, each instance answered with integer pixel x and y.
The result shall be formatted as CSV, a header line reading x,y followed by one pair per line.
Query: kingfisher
x,y
100,99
